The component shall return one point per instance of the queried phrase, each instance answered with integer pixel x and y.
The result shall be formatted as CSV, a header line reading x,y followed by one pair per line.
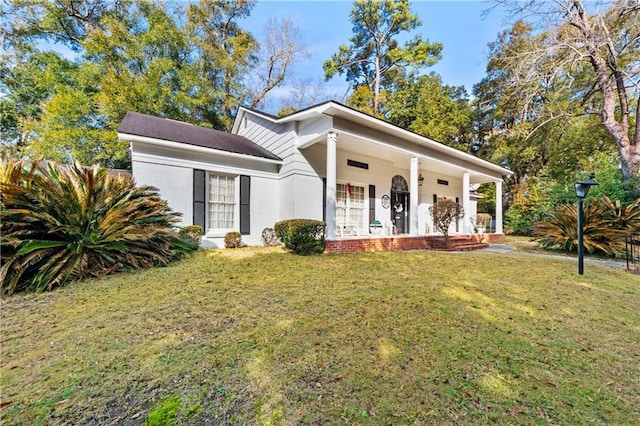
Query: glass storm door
x,y
400,204
400,211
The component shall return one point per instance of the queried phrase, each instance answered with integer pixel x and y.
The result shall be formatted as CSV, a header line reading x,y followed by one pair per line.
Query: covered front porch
x,y
372,180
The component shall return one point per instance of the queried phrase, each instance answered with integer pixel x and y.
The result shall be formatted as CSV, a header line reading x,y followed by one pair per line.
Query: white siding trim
x,y
207,166
187,147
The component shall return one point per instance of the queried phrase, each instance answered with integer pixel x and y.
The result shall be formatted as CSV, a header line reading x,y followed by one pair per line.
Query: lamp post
x,y
582,189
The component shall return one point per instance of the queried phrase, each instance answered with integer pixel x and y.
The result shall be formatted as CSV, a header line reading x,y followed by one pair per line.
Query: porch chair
x,y
349,227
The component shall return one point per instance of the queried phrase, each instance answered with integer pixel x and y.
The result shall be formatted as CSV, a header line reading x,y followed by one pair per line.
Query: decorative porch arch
x,y
398,183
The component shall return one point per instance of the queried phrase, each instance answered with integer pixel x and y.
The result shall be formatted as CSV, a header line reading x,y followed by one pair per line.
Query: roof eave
x,y
194,148
416,138
330,108
296,116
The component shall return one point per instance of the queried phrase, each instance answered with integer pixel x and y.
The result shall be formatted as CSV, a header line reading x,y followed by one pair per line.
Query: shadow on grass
x,y
263,336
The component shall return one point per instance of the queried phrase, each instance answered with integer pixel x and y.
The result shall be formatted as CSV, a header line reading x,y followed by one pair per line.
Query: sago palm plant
x,y
606,224
62,222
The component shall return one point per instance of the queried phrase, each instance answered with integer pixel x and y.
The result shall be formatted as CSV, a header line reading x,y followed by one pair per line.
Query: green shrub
x,y
269,237
301,236
233,239
530,205
63,222
605,226
521,221
192,234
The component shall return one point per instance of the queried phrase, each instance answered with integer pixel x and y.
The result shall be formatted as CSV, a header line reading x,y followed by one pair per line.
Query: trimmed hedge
x,y
191,234
301,236
232,240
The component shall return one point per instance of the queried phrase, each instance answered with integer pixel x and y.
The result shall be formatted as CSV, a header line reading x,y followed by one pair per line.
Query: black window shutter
x,y
372,203
324,199
199,197
245,199
435,198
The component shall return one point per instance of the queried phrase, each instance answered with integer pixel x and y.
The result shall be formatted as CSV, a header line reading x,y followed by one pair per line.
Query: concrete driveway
x,y
505,248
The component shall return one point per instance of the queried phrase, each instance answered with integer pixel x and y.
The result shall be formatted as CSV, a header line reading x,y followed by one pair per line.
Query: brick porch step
x,y
457,243
461,247
468,246
404,242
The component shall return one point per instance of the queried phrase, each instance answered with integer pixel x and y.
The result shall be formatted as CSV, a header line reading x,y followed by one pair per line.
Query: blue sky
x,y
461,26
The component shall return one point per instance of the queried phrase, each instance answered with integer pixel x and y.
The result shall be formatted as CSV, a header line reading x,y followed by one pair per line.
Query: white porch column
x,y
499,207
330,212
413,195
466,205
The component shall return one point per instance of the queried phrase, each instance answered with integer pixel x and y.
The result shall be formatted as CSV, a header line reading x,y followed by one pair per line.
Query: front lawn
x,y
258,336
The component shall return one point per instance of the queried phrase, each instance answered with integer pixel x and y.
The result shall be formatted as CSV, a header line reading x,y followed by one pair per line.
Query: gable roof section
x,y
337,110
165,129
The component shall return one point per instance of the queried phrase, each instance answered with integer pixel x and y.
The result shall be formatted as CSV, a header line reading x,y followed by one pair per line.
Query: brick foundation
x,y
403,243
494,238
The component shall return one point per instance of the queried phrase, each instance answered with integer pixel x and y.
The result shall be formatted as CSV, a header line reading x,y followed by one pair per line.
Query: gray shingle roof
x,y
149,126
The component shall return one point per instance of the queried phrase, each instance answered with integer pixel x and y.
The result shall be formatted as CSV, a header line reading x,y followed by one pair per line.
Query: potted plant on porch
x,y
481,223
375,227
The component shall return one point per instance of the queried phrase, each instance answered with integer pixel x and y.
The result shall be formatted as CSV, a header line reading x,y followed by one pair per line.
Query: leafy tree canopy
x,y
428,107
375,58
189,62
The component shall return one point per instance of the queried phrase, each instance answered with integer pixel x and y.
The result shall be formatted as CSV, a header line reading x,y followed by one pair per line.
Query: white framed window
x,y
350,204
222,202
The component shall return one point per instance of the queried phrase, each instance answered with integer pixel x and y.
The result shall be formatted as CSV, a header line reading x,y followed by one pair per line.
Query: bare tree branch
x,y
281,47
581,52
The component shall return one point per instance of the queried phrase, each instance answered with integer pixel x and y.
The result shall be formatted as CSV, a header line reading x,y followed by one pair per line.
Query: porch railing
x,y
632,251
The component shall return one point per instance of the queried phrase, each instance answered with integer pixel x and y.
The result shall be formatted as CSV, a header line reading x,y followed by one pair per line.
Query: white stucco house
x,y
327,162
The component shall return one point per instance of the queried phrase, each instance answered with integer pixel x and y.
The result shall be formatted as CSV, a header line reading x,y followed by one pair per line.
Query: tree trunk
x,y
628,149
630,160
619,130
376,88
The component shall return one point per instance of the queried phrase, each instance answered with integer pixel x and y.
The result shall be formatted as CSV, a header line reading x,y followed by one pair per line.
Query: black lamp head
x,y
582,188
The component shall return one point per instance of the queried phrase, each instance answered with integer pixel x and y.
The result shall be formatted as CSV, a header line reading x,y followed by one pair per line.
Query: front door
x,y
400,211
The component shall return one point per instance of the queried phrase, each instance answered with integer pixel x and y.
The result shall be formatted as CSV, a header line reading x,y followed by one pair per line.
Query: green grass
x,y
164,413
259,336
528,245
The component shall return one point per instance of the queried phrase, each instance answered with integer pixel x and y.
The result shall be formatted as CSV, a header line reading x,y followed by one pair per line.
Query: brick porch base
x,y
402,243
